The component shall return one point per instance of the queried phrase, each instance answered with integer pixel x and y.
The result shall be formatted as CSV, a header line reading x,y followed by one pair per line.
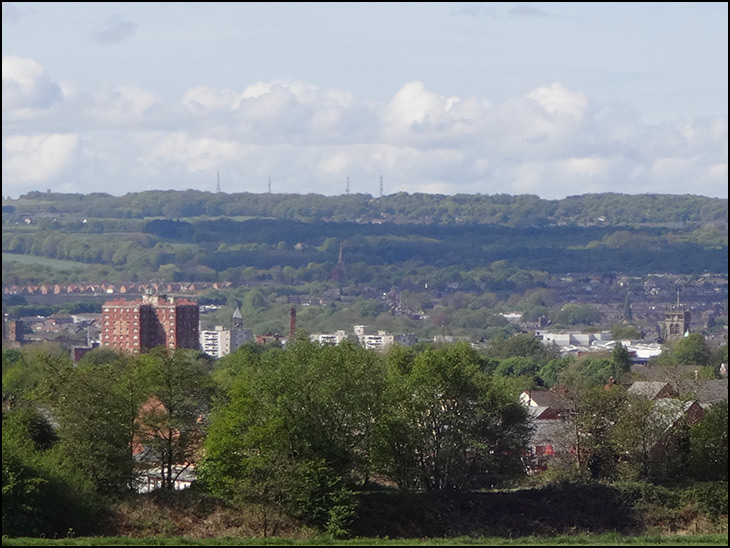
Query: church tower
x,y
676,322
239,335
237,320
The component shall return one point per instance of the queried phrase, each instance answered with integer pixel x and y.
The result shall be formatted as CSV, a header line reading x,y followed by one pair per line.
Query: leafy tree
x,y
92,429
450,427
622,331
690,350
708,445
517,366
39,496
296,429
578,314
171,422
523,345
593,413
641,428
621,359
550,372
628,313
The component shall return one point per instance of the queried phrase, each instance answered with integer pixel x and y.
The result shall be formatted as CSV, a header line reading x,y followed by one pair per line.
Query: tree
x,y
92,429
171,423
550,372
628,313
621,359
690,350
522,344
450,427
708,445
578,314
41,496
641,428
296,429
622,331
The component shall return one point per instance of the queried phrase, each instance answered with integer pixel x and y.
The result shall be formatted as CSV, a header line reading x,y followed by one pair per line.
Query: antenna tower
x,y
381,186
269,185
218,186
347,189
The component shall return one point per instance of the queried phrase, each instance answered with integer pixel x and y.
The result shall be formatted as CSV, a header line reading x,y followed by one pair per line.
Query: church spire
x,y
237,320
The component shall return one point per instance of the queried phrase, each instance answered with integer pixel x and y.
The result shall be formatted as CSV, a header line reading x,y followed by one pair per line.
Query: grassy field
x,y
43,261
607,539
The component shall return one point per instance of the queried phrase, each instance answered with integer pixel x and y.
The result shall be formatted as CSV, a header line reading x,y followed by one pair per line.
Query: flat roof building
x,y
155,320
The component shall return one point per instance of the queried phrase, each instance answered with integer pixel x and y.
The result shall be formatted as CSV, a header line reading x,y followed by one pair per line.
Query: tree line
x,y
499,209
299,430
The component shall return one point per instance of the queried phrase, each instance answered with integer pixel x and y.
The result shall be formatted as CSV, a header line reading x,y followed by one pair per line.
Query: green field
x,y
43,261
607,539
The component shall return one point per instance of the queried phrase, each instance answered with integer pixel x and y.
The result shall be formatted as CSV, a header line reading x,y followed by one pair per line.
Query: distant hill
x,y
500,209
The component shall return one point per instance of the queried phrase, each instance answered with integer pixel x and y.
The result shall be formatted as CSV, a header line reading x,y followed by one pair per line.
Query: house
x,y
706,392
653,390
549,413
548,399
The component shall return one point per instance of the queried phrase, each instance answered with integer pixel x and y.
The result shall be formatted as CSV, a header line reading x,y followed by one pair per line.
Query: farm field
x,y
43,261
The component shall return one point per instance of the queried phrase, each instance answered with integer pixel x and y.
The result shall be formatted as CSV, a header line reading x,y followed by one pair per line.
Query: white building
x,y
379,341
221,342
581,343
216,343
329,338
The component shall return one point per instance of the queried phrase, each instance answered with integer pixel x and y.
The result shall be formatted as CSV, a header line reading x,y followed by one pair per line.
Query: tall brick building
x,y
154,320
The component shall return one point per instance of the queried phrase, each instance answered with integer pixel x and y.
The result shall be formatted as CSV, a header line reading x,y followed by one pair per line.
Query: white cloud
x,y
196,154
121,107
26,86
37,158
558,100
552,141
591,167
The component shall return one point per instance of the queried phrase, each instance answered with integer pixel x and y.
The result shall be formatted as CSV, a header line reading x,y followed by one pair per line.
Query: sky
x,y
550,99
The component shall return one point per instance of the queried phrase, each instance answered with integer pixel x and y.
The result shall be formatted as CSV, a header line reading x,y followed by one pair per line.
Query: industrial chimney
x,y
292,323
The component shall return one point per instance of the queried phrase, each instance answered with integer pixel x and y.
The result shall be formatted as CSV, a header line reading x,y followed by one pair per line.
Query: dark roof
x,y
706,392
547,398
664,373
653,389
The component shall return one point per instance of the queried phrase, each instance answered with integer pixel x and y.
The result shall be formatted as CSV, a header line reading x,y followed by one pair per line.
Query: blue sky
x,y
552,99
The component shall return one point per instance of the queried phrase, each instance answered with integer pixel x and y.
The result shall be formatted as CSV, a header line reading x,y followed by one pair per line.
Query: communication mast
x,y
269,185
218,186
381,186
347,189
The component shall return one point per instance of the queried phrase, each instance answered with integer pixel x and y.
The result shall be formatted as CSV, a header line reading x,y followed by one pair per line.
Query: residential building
x,y
329,339
155,320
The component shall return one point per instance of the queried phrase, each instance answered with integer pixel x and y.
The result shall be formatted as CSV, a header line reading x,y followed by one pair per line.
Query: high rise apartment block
x,y
154,320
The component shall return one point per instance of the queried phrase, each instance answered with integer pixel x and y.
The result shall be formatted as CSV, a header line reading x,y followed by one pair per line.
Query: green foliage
x,y
709,446
550,372
41,497
621,359
689,350
523,345
92,425
578,314
621,331
296,427
170,423
448,427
